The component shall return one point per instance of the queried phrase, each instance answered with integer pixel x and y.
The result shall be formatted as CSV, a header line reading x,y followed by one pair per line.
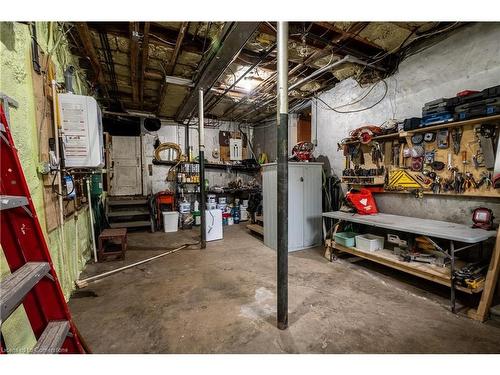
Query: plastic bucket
x,y
170,221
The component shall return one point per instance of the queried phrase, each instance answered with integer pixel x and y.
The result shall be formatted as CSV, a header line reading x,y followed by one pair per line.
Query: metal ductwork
x,y
232,42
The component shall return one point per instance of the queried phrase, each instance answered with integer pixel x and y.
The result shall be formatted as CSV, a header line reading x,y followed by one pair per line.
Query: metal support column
x,y
282,152
201,133
452,276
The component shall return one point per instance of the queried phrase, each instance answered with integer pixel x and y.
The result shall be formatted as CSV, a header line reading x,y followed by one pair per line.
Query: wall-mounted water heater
x,y
81,131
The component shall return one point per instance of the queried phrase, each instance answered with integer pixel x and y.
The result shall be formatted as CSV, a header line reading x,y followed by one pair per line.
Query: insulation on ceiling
x,y
173,99
387,35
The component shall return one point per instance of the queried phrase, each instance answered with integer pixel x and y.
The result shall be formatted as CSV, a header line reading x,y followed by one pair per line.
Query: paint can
x,y
243,213
230,221
184,207
222,200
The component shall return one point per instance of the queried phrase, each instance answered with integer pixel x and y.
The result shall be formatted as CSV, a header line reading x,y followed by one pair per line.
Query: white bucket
x,y
222,200
170,221
245,203
211,206
230,221
243,214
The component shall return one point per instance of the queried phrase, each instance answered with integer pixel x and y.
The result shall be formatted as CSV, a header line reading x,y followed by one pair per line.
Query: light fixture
x,y
179,81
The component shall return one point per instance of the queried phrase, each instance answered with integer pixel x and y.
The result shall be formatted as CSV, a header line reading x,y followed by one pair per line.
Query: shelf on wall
x,y
231,167
474,121
431,128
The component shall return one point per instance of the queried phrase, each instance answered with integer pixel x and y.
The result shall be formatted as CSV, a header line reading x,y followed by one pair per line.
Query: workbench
x,y
467,236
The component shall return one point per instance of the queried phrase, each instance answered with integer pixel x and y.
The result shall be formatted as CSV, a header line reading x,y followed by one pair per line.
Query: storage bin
x,y
345,238
369,242
170,221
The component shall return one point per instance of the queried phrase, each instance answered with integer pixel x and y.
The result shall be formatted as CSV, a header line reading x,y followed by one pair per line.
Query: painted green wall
x,y
16,81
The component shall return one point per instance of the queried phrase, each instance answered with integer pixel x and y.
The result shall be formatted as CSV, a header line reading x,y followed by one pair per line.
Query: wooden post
x,y
490,283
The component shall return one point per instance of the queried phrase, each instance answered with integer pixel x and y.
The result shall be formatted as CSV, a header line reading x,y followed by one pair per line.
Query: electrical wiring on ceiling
x,y
386,89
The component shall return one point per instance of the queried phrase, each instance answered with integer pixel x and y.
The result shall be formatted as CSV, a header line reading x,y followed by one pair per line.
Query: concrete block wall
x,y
468,59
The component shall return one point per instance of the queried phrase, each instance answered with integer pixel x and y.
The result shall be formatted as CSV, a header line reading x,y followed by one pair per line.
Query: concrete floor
x,y
222,300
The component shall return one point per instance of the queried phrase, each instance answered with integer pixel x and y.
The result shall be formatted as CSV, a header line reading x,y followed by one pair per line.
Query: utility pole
x,y
282,152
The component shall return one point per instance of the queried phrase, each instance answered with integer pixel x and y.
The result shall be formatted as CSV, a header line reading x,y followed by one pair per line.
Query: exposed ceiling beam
x,y
134,54
88,47
353,33
171,64
231,43
144,60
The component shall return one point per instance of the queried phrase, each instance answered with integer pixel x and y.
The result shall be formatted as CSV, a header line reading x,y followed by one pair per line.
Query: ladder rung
x,y
14,287
52,338
12,201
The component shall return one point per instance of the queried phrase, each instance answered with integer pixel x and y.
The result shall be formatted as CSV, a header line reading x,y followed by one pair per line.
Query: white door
x,y
126,176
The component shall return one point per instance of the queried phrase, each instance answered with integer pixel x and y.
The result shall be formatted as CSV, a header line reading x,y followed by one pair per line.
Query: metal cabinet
x,y
304,205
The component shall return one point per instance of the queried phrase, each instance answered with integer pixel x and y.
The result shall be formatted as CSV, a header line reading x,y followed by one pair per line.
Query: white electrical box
x,y
81,131
235,149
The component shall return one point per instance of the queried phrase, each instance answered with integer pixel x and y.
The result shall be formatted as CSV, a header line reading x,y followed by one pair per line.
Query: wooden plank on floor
x,y
259,229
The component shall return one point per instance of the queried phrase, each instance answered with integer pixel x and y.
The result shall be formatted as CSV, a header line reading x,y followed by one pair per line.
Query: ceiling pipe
x,y
346,59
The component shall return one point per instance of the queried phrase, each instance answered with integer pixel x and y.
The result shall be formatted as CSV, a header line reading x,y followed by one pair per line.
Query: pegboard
x,y
468,143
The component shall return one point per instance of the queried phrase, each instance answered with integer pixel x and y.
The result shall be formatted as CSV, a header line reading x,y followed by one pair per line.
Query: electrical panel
x,y
81,131
235,149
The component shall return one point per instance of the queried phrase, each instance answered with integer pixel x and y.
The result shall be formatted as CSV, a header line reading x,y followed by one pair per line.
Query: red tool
x,y
33,281
302,151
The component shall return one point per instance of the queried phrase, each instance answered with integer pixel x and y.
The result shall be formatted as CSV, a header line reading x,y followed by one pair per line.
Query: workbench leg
x,y
490,283
452,276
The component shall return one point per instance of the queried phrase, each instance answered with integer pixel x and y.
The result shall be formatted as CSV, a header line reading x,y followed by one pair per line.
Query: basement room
x,y
180,185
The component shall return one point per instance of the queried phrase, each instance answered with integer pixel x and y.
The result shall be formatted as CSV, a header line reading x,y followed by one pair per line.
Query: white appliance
x,y
304,205
81,131
214,225
235,149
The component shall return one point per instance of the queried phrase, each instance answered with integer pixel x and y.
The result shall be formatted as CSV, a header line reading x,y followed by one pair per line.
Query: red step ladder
x,y
33,281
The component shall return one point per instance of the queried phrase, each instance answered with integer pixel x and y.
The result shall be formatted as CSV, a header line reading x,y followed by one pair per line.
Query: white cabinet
x,y
304,205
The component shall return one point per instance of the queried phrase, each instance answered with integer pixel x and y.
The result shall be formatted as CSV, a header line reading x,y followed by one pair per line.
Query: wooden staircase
x,y
128,212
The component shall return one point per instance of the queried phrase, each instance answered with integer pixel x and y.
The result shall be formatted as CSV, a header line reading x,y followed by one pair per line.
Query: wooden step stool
x,y
107,236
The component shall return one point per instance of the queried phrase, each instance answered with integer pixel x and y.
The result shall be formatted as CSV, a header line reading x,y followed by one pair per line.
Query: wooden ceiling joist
x,y
134,54
144,61
171,64
88,46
